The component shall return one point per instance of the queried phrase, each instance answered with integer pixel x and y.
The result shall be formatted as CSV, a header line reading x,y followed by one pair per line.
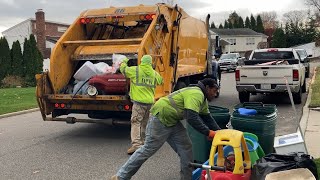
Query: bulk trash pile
x,y
89,70
257,121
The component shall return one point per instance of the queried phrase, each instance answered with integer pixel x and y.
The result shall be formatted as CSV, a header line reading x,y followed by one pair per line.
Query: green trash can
x,y
263,124
201,146
221,115
257,106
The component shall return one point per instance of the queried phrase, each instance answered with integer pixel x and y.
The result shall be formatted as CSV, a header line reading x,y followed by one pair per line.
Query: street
x,y
34,149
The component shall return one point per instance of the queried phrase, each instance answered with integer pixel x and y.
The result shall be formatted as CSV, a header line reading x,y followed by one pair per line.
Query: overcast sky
x,y
13,12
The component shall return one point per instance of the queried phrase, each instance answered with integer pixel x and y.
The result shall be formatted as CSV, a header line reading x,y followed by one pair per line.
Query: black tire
x,y
179,85
304,86
244,97
297,97
307,72
218,94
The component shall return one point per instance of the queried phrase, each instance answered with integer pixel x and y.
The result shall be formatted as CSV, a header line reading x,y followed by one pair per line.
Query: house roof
x,y
237,32
33,19
53,22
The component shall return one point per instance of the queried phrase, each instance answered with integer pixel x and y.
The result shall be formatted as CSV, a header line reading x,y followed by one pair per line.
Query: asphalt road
x,y
33,149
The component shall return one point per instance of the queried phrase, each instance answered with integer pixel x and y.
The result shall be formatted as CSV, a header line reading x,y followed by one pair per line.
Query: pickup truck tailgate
x,y
266,74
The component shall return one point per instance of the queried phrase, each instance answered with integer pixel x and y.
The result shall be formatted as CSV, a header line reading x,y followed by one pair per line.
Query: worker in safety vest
x,y
143,81
190,103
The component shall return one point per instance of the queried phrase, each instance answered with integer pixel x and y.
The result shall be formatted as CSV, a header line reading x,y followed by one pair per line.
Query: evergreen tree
x,y
2,70
5,57
220,26
236,24
240,23
247,23
38,63
226,25
33,60
213,26
260,27
310,30
253,24
25,56
233,20
17,59
279,39
230,24
294,35
28,59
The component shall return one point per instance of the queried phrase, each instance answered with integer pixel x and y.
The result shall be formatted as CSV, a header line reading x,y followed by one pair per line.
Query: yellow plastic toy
x,y
235,139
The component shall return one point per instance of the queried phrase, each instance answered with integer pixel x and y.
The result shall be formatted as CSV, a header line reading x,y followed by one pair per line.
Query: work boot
x,y
115,177
132,150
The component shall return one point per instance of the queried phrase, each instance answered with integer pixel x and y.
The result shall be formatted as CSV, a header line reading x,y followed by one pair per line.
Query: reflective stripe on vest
x,y
174,104
143,84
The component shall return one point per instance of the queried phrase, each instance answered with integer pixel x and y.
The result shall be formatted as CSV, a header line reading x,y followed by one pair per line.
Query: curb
x,y
306,110
18,113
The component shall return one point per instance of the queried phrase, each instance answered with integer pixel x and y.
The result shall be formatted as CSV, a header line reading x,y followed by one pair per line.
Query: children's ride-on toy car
x,y
237,164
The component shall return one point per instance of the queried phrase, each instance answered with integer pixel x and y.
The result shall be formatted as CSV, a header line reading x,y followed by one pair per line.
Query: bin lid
x,y
245,111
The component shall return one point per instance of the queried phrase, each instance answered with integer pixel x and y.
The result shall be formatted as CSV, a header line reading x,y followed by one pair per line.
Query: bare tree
x,y
170,2
314,4
296,17
269,19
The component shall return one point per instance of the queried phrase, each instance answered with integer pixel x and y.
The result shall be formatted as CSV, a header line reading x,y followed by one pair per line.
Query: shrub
x,y
12,82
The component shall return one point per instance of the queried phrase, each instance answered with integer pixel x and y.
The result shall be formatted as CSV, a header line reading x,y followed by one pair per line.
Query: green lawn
x,y
318,165
315,96
17,99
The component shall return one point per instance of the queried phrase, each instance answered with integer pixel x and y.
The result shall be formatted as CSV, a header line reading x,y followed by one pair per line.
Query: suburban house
x,y
238,40
47,34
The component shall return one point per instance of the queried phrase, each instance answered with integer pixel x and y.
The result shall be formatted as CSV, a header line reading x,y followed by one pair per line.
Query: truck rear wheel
x,y
297,97
244,97
307,72
304,87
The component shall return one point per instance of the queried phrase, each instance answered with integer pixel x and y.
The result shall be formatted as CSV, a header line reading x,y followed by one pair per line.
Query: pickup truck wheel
x,y
297,97
307,73
244,97
304,87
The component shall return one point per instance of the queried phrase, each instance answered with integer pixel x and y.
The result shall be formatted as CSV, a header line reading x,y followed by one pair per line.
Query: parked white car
x,y
266,70
305,60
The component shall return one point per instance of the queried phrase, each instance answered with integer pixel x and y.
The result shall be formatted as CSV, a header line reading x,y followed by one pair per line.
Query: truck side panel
x,y
61,67
193,46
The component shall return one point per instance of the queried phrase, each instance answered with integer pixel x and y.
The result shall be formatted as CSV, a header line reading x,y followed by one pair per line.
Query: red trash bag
x,y
110,84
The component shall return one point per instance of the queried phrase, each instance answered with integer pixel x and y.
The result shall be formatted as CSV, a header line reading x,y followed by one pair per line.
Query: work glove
x,y
211,135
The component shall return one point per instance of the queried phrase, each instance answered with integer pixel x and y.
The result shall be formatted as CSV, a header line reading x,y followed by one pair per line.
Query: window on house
x,y
232,41
250,41
62,29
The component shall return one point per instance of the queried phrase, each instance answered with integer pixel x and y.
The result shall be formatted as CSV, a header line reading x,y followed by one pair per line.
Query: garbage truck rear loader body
x,y
178,43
